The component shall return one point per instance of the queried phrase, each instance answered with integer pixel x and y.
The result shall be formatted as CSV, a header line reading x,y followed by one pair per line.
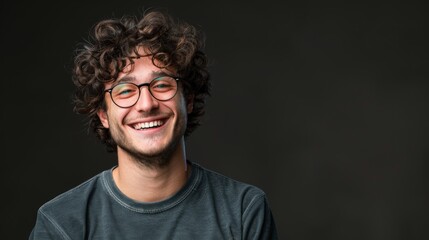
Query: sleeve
x,y
46,228
258,221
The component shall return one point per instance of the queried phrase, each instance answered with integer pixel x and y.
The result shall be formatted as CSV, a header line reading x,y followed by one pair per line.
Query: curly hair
x,y
114,43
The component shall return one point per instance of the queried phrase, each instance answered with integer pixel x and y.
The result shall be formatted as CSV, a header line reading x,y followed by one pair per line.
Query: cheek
x,y
179,108
116,115
184,106
120,116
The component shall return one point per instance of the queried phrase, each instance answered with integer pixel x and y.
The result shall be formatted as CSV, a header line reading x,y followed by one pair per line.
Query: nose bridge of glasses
x,y
143,84
140,86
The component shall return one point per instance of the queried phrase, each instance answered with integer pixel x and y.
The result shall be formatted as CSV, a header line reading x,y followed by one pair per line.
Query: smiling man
x,y
143,84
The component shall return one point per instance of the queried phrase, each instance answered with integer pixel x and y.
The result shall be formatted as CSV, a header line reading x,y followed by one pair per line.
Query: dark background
x,y
323,106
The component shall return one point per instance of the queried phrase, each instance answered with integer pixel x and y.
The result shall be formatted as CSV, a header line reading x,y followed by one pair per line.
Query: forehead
x,y
140,69
139,66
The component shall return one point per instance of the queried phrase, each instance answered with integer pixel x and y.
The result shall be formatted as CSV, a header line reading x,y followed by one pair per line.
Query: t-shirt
x,y
209,206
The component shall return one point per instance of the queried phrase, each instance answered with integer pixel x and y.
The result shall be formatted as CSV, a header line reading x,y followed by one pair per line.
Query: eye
x,y
163,84
124,90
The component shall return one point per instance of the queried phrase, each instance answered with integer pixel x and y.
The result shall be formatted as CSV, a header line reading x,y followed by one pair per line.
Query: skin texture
x,y
151,159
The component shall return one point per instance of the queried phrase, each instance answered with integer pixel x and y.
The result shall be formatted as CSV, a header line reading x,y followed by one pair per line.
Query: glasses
x,y
125,95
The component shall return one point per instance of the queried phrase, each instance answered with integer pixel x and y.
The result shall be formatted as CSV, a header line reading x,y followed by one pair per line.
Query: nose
x,y
146,102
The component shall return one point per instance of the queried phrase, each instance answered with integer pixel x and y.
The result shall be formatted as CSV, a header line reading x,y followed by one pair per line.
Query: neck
x,y
151,184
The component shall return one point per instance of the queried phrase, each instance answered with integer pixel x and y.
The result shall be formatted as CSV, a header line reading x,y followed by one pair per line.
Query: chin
x,y
155,149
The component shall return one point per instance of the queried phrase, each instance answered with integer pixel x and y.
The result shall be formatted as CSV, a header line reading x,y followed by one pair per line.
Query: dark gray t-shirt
x,y
209,206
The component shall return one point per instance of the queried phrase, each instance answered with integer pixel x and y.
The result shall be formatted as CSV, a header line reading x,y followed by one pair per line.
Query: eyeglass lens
x,y
127,94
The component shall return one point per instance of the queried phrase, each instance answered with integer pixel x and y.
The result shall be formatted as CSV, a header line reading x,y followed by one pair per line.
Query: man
x,y
143,82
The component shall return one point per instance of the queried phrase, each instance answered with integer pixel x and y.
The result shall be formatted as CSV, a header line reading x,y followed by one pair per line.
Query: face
x,y
150,131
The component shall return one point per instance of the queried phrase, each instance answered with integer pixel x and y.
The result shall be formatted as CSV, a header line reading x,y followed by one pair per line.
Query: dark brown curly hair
x,y
114,43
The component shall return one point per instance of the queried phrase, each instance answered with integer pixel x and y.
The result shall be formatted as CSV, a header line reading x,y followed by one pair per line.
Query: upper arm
x,y
258,221
46,228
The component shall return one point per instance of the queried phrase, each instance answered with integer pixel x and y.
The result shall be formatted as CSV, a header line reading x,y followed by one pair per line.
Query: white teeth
x,y
148,124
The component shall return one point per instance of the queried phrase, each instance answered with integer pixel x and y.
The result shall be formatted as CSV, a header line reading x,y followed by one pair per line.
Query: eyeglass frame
x,y
139,86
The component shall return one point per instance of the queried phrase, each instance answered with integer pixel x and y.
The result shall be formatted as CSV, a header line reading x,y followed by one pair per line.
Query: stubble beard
x,y
155,160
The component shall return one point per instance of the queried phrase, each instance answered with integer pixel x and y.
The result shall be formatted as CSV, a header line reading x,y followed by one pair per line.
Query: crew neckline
x,y
154,207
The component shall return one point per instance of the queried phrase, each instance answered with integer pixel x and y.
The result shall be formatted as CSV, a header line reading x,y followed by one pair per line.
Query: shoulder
x,y
63,217
231,189
72,199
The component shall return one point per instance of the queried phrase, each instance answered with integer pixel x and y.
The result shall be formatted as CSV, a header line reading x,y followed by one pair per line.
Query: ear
x,y
102,115
190,103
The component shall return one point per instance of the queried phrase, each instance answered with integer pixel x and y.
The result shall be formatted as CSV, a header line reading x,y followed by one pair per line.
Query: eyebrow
x,y
154,74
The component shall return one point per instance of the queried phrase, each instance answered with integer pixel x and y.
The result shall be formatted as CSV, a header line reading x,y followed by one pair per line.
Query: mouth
x,y
148,125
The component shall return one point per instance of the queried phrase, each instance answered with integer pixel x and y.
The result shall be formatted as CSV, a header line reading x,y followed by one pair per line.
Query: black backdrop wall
x,y
324,106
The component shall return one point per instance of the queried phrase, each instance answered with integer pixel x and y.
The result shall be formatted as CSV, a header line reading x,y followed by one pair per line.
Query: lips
x,y
149,124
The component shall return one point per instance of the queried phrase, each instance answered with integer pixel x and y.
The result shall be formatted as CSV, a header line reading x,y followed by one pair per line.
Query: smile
x,y
146,125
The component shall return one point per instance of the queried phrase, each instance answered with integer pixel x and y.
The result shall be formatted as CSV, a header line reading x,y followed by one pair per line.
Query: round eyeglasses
x,y
125,95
